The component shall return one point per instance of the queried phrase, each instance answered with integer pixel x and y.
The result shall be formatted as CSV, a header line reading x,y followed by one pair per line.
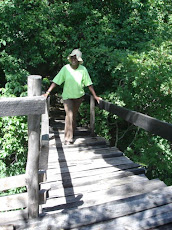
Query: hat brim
x,y
80,60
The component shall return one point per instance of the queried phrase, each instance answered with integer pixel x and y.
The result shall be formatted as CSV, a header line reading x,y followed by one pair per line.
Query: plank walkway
x,y
94,186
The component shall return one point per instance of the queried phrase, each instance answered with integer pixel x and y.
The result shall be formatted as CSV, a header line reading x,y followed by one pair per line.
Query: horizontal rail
x,y
17,201
19,181
18,106
143,121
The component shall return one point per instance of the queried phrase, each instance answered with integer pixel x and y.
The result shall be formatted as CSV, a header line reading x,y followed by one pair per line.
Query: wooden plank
x,y
92,115
17,106
102,176
111,168
84,141
84,155
143,121
112,210
42,176
18,181
144,220
99,197
164,227
12,182
7,227
13,216
34,89
77,187
90,166
18,201
43,194
95,161
13,201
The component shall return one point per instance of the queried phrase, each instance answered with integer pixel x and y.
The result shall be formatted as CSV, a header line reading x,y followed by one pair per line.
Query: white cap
x,y
78,54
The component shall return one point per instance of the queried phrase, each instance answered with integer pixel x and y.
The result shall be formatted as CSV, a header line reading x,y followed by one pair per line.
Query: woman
x,y
75,77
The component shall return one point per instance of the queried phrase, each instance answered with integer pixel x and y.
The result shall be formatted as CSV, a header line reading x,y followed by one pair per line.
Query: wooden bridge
x,y
87,185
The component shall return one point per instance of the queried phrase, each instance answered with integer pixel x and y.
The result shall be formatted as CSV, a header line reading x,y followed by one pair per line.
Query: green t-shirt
x,y
74,81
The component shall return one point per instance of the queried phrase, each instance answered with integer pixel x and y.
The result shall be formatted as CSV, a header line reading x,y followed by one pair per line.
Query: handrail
x,y
33,106
143,121
20,106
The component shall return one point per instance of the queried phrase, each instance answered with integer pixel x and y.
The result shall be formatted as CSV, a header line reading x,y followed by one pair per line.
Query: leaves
x,y
127,50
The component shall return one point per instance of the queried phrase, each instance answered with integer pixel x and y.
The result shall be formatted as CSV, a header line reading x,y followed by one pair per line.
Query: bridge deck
x,y
94,186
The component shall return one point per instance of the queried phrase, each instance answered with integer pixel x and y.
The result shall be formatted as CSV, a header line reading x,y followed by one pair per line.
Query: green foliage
x,y
155,156
13,142
127,50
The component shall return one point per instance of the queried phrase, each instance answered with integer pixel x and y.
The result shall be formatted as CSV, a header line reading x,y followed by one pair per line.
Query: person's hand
x,y
98,99
46,94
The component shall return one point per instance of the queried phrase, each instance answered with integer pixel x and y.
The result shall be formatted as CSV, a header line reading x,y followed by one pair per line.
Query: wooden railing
x,y
33,106
143,121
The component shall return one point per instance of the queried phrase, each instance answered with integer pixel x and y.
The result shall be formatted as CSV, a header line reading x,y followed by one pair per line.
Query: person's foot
x,y
68,142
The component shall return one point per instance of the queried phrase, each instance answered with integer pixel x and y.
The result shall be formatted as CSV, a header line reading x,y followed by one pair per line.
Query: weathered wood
x,y
12,182
143,121
19,181
34,89
87,186
7,227
43,159
90,173
43,194
42,176
82,141
45,124
102,176
12,202
22,106
13,216
92,165
92,115
105,195
152,218
18,201
111,210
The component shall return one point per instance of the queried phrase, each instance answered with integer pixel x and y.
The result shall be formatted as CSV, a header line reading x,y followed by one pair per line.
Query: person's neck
x,y
74,66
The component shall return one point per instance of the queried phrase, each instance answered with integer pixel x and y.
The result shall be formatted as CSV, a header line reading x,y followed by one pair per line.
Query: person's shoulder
x,y
82,67
65,66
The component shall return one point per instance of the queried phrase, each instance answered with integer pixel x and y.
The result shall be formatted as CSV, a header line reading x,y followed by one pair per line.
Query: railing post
x,y
34,89
92,115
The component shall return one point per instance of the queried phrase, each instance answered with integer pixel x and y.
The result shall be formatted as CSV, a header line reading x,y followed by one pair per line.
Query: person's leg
x,y
76,105
68,106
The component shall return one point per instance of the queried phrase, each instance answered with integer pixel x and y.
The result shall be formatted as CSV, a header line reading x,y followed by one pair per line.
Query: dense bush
x,y
126,47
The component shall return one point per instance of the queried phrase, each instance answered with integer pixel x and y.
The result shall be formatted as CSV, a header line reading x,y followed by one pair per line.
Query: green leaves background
x,y
127,49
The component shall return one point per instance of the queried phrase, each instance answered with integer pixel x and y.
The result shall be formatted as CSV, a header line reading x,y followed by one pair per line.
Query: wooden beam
x,y
18,106
13,216
12,202
43,159
12,182
111,211
34,89
7,227
92,115
18,201
143,121
19,181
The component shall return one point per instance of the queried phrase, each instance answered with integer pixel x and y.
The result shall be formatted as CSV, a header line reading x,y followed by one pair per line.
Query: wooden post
x,y
92,115
34,89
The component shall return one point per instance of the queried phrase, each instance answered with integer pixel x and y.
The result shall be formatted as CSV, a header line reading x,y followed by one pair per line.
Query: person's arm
x,y
52,86
94,94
